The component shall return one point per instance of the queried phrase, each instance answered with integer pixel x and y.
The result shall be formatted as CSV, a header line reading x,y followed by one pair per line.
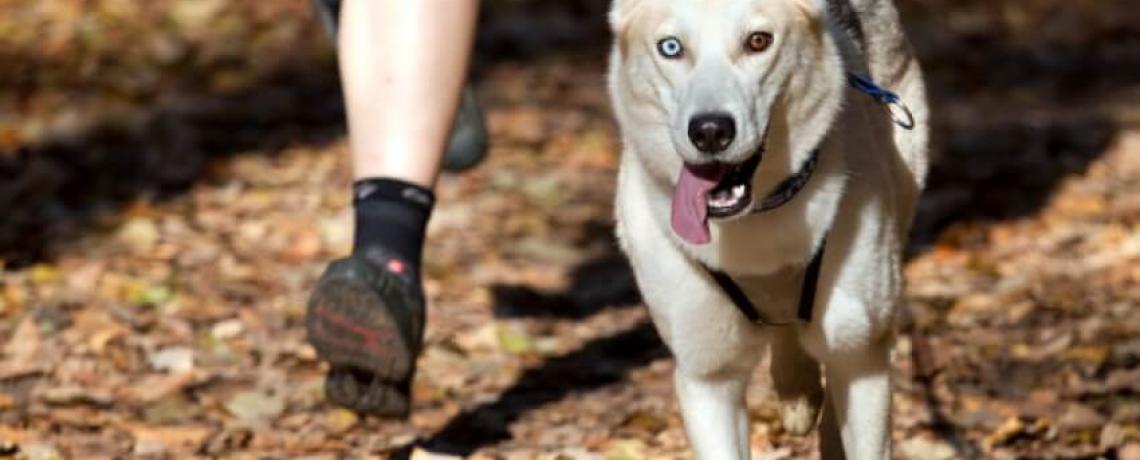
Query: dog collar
x,y
789,187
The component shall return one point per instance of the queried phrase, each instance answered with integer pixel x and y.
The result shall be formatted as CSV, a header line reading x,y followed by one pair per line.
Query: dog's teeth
x,y
738,191
725,198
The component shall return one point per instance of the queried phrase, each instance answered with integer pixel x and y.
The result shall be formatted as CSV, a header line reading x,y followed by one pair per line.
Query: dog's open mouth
x,y
733,194
716,190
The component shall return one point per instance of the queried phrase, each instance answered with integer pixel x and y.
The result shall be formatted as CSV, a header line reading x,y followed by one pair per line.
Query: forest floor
x,y
174,176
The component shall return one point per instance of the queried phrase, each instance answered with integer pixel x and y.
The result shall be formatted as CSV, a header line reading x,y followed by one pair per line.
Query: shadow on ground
x,y
55,191
602,362
58,189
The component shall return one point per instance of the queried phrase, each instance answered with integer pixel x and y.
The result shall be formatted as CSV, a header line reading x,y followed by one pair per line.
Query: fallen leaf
x,y
40,451
1079,417
24,344
626,449
170,411
226,441
1013,428
774,454
166,438
515,340
69,395
140,235
338,421
255,408
421,454
485,338
154,387
227,329
173,359
645,421
148,447
923,448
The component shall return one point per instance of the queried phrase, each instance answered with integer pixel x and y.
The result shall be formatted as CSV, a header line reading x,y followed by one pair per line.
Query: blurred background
x,y
173,177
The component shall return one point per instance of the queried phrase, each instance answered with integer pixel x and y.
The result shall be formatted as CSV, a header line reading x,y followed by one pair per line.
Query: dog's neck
x,y
765,243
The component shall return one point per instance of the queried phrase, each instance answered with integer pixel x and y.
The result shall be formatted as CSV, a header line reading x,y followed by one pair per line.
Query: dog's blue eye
x,y
670,47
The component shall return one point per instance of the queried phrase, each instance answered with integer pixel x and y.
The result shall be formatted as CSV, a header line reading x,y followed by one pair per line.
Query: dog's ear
x,y
620,17
620,11
814,8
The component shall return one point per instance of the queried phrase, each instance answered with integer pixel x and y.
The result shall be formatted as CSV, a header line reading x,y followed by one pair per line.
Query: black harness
x,y
788,189
783,193
748,309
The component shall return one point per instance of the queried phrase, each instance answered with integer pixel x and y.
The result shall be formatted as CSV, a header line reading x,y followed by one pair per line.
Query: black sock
x,y
392,215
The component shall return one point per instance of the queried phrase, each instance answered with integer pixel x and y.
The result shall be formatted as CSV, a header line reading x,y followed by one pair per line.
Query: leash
x,y
785,192
900,113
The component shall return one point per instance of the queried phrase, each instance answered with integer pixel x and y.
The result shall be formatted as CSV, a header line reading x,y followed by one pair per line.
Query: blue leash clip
x,y
900,113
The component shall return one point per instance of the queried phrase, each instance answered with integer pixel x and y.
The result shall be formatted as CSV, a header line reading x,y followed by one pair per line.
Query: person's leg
x,y
467,146
403,64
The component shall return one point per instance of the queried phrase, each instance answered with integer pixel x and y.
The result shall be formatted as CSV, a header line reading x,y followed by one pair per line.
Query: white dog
x,y
751,161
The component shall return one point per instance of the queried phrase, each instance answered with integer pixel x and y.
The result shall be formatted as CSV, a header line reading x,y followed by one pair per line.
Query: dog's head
x,y
723,98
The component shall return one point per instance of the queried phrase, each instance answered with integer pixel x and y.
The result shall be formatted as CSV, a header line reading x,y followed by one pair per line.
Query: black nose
x,y
712,132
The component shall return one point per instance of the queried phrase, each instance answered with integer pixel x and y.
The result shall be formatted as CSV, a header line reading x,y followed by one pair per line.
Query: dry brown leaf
x,y
169,437
24,344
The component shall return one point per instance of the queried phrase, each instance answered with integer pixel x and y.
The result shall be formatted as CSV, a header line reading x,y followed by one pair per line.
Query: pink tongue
x,y
690,201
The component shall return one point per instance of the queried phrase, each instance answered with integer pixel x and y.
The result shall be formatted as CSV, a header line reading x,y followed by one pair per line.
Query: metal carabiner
x,y
898,108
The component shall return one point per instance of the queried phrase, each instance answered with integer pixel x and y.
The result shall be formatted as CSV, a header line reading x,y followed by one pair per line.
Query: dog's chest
x,y
775,295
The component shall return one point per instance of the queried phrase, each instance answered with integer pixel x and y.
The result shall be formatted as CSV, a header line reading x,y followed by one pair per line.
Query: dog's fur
x,y
862,196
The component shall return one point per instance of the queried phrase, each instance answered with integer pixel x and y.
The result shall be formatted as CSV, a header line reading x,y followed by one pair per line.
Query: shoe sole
x,y
351,326
364,394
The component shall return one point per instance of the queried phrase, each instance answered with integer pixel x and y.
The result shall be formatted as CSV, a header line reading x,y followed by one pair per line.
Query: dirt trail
x,y
169,200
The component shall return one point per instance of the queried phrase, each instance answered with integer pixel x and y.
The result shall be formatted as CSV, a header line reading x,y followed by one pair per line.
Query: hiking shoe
x,y
467,146
365,318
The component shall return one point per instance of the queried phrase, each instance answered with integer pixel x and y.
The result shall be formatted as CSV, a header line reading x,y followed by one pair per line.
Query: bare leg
x,y
403,64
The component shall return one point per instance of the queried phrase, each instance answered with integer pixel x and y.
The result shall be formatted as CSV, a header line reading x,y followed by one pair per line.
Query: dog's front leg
x,y
714,411
859,390
830,441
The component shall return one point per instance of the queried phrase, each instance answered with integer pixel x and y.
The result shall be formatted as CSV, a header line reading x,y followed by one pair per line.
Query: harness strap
x,y
785,192
740,300
811,282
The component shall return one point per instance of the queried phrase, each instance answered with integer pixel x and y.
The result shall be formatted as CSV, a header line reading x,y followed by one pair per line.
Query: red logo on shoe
x,y
335,325
396,266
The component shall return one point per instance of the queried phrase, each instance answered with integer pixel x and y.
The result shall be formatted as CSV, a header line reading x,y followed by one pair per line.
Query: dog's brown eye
x,y
758,41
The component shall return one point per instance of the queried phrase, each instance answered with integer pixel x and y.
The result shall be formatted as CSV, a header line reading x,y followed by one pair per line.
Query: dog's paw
x,y
800,414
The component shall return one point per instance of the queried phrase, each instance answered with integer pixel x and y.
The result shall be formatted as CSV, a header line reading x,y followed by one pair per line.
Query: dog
x,y
757,174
